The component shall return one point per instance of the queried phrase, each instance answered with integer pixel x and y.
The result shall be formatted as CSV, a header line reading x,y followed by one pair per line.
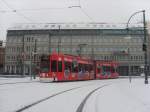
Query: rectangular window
x,y
68,65
54,66
74,67
59,66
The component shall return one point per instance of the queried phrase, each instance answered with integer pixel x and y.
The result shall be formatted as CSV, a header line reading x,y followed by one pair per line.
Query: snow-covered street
x,y
113,95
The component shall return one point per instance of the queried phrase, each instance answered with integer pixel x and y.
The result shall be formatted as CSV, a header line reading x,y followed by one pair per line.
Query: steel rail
x,y
17,82
47,98
81,106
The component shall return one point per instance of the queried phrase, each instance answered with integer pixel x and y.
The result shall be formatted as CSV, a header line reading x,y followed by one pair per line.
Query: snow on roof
x,y
41,26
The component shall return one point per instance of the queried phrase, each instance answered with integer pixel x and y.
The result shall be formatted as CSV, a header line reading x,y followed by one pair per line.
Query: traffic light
x,y
144,47
1,43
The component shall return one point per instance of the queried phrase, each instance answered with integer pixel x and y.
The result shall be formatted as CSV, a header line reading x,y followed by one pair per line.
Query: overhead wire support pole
x,y
144,42
30,59
34,59
145,52
127,27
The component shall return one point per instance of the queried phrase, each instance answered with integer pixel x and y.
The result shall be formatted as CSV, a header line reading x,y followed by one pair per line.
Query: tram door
x,y
67,69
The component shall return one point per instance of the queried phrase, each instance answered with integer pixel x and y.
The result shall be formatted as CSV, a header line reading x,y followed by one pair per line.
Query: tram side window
x,y
87,68
54,66
68,66
74,68
90,68
82,67
59,66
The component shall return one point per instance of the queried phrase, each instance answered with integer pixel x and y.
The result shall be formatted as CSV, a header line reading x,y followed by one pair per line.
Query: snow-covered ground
x,y
120,95
16,80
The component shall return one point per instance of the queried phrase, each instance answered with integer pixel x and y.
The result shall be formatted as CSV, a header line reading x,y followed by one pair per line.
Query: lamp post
x,y
49,45
59,40
30,70
23,55
34,59
144,42
127,39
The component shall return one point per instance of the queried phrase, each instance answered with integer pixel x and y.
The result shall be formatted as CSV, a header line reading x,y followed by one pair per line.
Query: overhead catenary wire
x,y
82,10
32,10
85,11
18,13
86,14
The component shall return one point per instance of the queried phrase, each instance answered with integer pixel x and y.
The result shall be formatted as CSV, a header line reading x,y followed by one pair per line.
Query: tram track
x,y
48,97
17,82
82,104
80,108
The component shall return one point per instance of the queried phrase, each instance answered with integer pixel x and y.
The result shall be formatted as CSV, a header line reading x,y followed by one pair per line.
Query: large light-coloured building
x,y
27,42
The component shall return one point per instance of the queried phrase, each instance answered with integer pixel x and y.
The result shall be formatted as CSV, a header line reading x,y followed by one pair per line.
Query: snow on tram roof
x,y
41,26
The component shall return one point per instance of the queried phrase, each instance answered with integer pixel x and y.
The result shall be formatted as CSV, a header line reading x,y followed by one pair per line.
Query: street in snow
x,y
114,95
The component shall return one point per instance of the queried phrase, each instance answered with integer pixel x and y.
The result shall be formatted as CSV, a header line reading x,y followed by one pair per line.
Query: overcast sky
x,y
49,11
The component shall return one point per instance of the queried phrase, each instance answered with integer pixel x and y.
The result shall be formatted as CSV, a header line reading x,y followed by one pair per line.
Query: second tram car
x,y
106,69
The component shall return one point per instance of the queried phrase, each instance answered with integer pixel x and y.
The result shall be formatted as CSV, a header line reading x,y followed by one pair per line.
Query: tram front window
x,y
45,64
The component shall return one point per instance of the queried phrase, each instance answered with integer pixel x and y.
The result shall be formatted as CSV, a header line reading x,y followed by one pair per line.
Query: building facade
x,y
27,42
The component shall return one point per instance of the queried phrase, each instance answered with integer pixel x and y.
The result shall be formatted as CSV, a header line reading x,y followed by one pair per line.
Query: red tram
x,y
60,67
65,68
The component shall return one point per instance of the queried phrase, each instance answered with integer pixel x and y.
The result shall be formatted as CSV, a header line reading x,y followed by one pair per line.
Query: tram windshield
x,y
45,64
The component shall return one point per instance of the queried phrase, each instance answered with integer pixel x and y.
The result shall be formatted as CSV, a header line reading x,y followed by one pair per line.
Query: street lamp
x,y
144,42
